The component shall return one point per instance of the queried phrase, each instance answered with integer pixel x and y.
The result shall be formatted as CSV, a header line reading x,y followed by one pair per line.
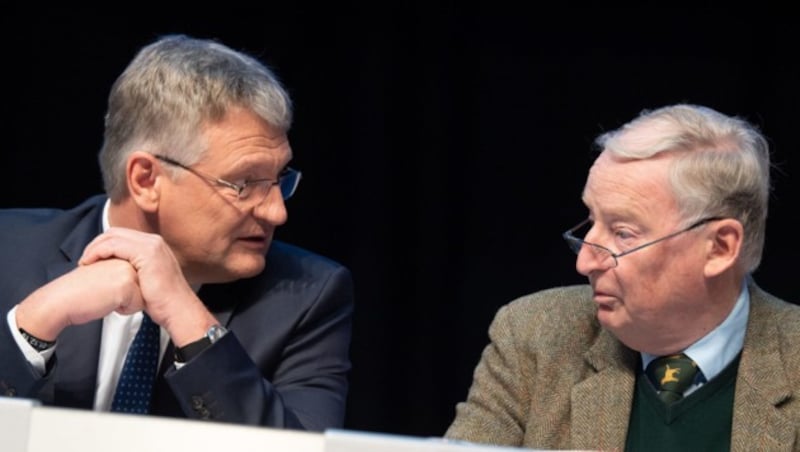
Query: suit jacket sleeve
x,y
494,411
536,382
304,387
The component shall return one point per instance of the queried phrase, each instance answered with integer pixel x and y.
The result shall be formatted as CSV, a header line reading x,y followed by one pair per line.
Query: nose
x,y
586,261
272,209
592,259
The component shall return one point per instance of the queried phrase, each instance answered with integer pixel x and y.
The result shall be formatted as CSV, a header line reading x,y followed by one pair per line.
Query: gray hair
x,y
722,165
170,89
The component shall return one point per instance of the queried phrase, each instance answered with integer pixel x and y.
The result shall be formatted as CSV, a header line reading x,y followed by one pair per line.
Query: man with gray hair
x,y
244,329
671,345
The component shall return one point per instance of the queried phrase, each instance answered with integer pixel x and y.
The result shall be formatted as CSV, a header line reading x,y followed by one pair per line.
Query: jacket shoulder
x,y
556,302
290,263
561,315
44,227
297,272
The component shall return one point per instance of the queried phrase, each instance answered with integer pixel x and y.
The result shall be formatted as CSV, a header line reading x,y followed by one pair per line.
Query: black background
x,y
443,147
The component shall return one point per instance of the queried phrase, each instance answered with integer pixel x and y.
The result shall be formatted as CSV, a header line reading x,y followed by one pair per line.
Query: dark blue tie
x,y
135,384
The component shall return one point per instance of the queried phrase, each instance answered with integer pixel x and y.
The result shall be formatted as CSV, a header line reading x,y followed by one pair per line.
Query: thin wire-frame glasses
x,y
610,259
287,181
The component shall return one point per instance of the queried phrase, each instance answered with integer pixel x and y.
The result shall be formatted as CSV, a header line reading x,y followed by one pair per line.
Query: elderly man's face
x,y
215,236
653,299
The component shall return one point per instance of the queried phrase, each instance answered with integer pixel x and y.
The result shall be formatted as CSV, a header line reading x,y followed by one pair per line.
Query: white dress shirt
x,y
118,333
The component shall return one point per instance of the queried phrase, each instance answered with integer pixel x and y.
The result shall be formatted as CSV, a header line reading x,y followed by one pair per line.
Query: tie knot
x,y
672,375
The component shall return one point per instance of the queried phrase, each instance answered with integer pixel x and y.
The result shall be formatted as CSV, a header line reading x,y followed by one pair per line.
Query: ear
x,y
143,176
725,244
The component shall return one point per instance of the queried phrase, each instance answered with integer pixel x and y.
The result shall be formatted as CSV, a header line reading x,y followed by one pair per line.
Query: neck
x,y
125,213
718,300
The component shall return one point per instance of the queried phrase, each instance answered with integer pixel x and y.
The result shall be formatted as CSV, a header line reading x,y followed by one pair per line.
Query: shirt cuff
x,y
36,358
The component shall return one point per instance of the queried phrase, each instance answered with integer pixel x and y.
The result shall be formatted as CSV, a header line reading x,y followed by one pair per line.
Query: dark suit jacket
x,y
284,362
552,378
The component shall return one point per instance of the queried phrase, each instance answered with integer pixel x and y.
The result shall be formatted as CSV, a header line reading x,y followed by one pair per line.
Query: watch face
x,y
216,332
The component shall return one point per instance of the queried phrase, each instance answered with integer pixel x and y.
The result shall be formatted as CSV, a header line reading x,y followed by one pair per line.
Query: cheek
x,y
209,227
652,289
216,218
218,228
215,214
642,288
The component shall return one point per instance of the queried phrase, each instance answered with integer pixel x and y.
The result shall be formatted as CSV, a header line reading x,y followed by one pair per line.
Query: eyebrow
x,y
249,167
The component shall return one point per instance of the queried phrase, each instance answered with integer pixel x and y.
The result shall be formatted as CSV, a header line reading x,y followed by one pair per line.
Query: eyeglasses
x,y
256,189
609,259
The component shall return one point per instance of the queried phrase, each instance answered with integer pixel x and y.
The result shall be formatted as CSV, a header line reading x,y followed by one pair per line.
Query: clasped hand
x,y
121,270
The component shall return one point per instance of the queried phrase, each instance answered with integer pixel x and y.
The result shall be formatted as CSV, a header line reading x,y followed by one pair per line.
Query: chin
x,y
248,269
232,271
608,320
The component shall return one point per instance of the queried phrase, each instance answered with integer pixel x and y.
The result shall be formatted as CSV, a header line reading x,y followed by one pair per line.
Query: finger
x,y
95,250
115,242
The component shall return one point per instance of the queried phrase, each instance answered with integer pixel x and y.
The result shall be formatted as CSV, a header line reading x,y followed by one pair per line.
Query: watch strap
x,y
39,344
187,352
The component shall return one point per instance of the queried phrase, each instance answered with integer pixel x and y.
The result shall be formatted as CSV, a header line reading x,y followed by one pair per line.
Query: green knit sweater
x,y
699,422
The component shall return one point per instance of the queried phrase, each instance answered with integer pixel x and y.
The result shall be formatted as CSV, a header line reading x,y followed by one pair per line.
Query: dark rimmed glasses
x,y
609,259
249,190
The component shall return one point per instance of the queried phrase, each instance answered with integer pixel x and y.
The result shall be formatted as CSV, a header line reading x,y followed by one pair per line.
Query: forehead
x,y
242,137
633,189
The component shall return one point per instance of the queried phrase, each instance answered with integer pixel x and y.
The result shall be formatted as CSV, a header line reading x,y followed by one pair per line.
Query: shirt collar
x,y
717,349
106,224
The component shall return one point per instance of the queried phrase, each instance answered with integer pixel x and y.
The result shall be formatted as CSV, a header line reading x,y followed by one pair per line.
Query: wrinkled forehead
x,y
243,135
620,184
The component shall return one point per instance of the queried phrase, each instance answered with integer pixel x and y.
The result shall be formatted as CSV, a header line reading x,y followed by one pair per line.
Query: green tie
x,y
672,375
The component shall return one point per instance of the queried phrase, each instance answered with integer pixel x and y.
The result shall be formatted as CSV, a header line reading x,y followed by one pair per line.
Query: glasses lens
x,y
288,182
575,241
603,255
574,244
247,189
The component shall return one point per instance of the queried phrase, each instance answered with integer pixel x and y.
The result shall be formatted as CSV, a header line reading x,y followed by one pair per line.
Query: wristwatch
x,y
39,344
187,352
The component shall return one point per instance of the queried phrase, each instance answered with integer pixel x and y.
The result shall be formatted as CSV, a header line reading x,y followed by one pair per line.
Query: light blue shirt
x,y
714,351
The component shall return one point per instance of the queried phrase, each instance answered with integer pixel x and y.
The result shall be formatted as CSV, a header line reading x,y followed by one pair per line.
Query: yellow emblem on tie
x,y
669,375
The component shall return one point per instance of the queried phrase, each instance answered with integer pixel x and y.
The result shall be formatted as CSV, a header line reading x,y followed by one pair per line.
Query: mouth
x,y
603,300
258,241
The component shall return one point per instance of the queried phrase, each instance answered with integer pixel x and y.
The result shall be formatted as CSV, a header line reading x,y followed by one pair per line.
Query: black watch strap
x,y
39,344
187,352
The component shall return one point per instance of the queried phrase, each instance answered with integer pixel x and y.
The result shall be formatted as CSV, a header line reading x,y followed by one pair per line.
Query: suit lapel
x,y
761,384
601,404
221,299
78,346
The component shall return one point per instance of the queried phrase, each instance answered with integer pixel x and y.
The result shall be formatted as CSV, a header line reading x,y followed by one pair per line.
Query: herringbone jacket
x,y
552,378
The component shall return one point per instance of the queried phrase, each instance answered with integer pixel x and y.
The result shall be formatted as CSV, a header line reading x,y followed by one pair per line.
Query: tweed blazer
x,y
552,378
